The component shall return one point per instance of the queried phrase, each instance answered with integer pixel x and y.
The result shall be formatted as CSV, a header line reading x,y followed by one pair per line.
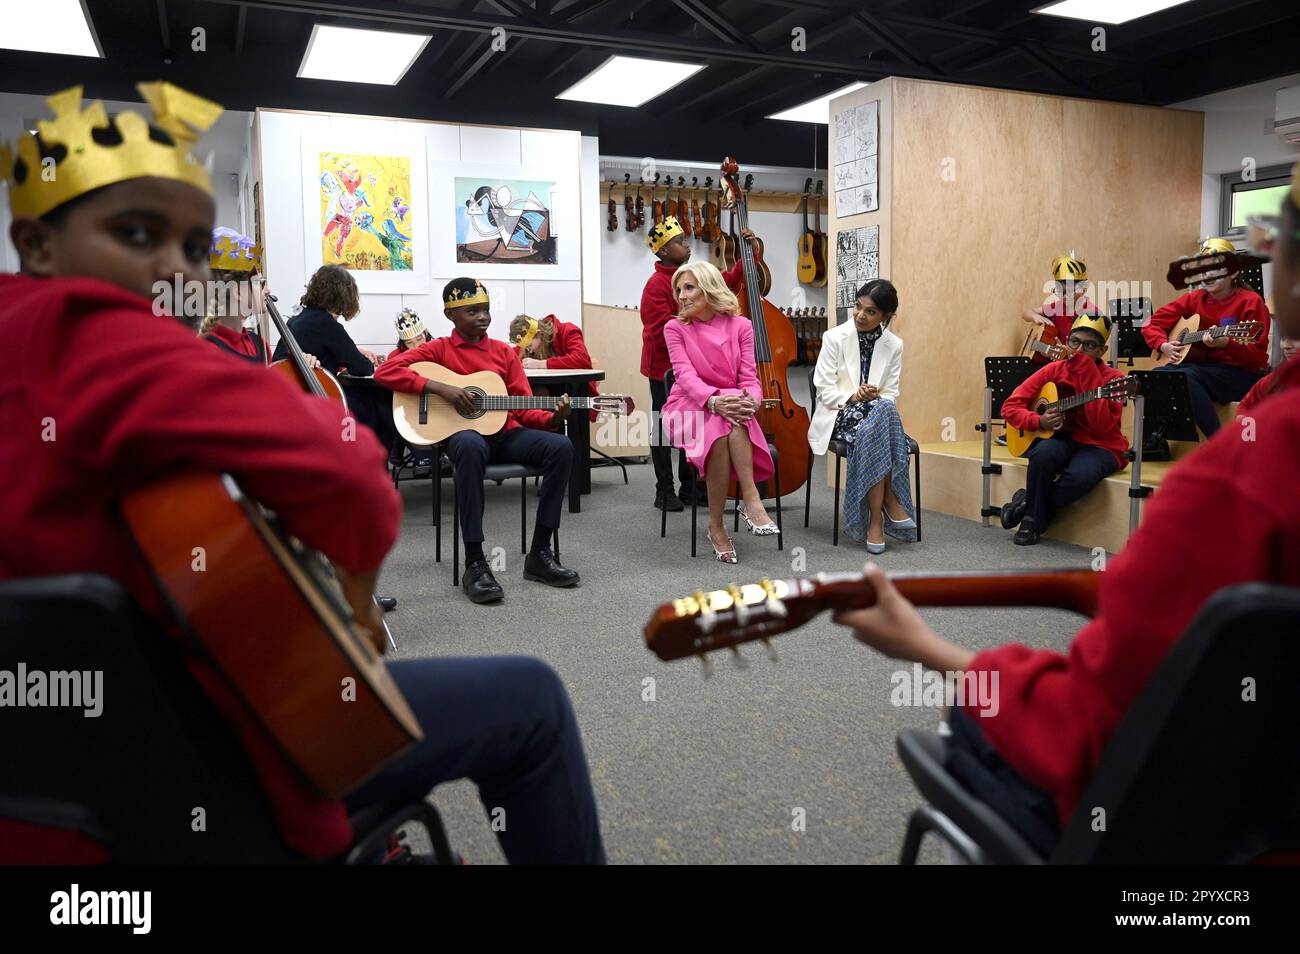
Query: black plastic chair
x,y
129,780
1195,773
840,450
776,486
493,473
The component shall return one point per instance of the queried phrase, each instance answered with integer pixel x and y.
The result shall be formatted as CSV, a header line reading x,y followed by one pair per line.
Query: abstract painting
x,y
504,221
366,220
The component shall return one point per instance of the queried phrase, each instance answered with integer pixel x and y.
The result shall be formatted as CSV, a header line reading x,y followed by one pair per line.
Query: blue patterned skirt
x,y
877,448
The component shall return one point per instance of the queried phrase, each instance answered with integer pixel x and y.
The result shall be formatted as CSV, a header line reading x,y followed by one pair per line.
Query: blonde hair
x,y
716,293
544,338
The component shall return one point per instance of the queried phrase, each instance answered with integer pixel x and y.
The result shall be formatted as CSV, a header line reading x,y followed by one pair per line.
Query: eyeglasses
x,y
1084,344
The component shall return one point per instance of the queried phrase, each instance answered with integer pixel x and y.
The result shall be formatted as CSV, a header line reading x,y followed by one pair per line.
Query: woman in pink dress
x,y
710,412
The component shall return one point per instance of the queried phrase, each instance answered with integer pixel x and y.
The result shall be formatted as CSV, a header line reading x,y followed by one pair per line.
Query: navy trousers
x,y
505,723
1211,384
1062,470
471,452
661,454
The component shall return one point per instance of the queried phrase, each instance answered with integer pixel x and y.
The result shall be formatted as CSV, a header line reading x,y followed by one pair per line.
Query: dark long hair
x,y
884,294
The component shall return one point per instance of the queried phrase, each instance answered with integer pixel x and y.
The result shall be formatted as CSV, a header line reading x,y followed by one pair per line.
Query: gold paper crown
x,y
229,254
409,325
1217,246
525,337
661,234
1098,323
460,298
86,165
1067,268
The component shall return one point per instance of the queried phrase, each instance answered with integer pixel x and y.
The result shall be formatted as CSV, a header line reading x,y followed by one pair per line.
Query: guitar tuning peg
x,y
740,661
706,666
771,650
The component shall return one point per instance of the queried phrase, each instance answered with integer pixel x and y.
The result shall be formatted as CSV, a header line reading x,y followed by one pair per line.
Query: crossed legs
x,y
733,452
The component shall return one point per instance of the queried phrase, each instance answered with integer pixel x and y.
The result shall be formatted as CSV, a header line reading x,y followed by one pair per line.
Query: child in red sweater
x,y
135,396
1268,384
1218,371
1070,300
1066,467
670,246
1032,758
527,438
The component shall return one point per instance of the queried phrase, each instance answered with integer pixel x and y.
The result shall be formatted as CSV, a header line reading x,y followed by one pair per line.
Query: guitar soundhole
x,y
479,396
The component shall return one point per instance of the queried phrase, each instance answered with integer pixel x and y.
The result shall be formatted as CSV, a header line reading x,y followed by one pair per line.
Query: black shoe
x,y
701,495
1027,535
1156,448
1014,512
541,565
387,603
667,500
479,584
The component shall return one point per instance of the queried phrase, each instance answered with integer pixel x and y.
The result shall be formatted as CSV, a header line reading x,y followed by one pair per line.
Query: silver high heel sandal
x,y
722,556
905,524
763,530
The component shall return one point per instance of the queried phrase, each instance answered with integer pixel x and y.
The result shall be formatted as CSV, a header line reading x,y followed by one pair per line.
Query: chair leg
x,y
455,536
437,508
523,516
916,497
694,511
807,493
780,537
735,510
835,534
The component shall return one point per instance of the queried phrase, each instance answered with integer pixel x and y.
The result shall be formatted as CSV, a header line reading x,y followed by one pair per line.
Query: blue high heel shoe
x,y
908,524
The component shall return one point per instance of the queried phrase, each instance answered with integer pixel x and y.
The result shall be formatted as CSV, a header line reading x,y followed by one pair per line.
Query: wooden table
x,y
572,381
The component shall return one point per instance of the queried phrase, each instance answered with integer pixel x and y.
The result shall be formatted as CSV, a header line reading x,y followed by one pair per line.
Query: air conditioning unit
x,y
1286,119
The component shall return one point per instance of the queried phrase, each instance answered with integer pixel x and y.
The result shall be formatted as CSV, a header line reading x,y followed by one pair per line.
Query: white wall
x,y
227,141
282,209
1238,124
626,263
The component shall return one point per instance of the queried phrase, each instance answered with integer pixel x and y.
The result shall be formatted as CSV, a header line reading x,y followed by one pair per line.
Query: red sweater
x,y
658,305
1096,423
1242,305
240,342
134,396
1057,712
1063,313
1258,391
570,350
465,357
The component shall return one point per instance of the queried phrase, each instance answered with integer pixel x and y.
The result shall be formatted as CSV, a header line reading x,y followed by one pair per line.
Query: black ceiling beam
x,y
884,35
496,57
711,89
715,24
162,26
241,21
518,9
623,40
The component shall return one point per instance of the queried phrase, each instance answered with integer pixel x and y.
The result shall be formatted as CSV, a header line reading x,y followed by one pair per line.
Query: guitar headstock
x,y
1203,269
1243,331
612,404
1121,389
720,619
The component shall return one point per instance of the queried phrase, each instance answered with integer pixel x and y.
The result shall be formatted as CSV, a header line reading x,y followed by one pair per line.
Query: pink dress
x,y
711,357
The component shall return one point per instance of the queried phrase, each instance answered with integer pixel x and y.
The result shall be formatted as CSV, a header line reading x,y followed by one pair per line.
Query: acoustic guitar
x,y
1188,331
820,251
806,267
426,418
1043,345
1054,397
703,622
272,617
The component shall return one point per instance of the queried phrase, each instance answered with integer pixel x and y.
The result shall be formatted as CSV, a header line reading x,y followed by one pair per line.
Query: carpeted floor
x,y
711,771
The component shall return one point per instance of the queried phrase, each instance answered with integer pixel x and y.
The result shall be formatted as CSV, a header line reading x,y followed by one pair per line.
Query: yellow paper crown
x,y
409,325
1217,246
81,164
1067,268
661,234
1098,323
462,298
229,254
526,336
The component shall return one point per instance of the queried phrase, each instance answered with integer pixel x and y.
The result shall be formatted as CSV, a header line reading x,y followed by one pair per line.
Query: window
x,y
1239,200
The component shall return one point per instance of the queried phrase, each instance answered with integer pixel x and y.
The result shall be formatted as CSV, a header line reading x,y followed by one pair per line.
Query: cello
x,y
783,419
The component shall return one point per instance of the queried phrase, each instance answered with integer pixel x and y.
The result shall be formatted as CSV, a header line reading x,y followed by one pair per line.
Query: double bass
x,y
783,419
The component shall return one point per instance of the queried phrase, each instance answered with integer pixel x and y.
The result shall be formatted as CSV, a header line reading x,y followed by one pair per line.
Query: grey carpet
x,y
711,771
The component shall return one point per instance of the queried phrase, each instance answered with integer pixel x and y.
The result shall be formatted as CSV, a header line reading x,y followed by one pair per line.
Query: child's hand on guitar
x,y
459,398
1052,420
1171,350
895,628
1215,343
561,411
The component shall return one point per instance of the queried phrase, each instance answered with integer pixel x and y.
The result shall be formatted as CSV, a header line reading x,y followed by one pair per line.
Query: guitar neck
x,y
1192,337
511,402
1078,400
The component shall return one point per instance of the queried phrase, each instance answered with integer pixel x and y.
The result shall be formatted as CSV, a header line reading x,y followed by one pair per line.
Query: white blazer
x,y
839,373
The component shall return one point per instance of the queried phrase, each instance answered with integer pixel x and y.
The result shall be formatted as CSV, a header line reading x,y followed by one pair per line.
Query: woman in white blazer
x,y
856,381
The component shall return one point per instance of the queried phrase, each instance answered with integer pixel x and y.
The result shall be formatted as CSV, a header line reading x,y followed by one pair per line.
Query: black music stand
x,y
1129,316
1167,405
1002,375
1252,276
